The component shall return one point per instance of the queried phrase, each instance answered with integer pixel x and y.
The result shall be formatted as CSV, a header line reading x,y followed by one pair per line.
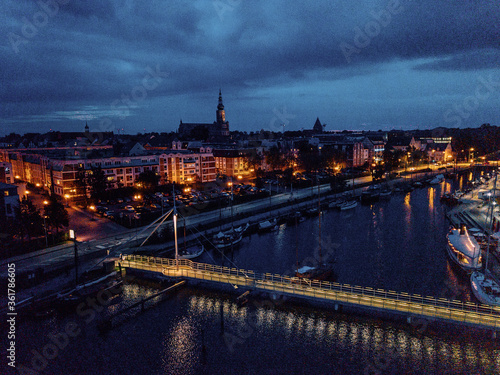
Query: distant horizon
x,y
258,131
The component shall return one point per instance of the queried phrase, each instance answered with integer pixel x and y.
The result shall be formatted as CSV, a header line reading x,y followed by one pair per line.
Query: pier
x,y
409,305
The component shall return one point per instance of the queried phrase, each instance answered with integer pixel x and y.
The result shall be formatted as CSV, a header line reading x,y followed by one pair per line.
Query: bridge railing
x,y
235,276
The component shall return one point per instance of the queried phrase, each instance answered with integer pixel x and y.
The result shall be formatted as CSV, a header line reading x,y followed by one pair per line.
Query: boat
x,y
321,272
483,285
231,237
312,211
267,225
372,194
386,193
485,289
335,203
348,205
437,180
192,252
295,217
464,250
76,295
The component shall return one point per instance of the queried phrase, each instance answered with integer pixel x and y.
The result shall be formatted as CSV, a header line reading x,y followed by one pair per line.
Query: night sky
x,y
355,64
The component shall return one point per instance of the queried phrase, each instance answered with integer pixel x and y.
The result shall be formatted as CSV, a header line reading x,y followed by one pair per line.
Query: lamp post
x,y
471,154
45,202
66,196
72,236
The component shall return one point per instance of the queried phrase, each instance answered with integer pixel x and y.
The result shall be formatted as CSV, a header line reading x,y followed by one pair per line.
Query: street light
x,y
66,196
72,237
45,202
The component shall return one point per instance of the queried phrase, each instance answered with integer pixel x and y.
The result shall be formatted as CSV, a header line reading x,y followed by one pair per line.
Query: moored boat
x,y
386,193
323,272
192,252
335,203
348,205
485,289
464,250
437,180
267,225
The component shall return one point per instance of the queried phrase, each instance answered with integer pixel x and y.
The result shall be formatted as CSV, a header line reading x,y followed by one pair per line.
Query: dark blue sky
x,y
124,64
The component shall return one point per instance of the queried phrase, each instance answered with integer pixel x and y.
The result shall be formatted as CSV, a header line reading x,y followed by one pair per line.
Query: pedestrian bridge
x,y
411,305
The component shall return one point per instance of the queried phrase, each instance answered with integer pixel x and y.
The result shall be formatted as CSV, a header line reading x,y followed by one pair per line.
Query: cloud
x,y
91,53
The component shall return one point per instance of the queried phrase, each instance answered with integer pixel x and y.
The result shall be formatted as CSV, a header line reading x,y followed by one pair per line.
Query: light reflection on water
x,y
382,345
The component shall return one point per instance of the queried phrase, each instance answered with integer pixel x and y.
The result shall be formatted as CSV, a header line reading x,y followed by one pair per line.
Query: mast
x,y
232,224
491,225
175,231
319,221
296,244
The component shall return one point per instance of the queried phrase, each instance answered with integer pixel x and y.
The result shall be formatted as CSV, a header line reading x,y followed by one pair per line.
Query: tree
x,y
309,157
56,214
94,181
98,184
148,179
274,158
378,171
30,219
254,161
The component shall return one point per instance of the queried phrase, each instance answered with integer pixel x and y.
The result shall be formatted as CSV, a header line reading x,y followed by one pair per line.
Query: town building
x,y
216,130
6,174
9,201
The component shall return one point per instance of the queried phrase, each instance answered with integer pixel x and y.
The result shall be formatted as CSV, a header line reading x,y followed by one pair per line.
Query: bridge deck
x,y
398,302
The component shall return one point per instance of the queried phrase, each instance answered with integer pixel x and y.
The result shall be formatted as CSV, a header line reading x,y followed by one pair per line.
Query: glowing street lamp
x,y
72,237
45,202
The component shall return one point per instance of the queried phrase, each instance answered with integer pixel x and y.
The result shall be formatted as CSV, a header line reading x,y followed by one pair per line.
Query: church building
x,y
218,129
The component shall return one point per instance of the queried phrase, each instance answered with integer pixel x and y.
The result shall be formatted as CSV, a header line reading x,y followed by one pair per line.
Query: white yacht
x,y
192,252
485,289
348,205
267,225
464,250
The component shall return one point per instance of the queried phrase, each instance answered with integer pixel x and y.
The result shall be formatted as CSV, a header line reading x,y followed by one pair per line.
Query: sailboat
x,y
322,270
231,237
484,286
191,252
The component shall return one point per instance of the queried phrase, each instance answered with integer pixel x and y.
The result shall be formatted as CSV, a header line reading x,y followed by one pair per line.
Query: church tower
x,y
221,115
221,123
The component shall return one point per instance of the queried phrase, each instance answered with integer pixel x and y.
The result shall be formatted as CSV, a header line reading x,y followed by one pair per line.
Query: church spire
x,y
220,106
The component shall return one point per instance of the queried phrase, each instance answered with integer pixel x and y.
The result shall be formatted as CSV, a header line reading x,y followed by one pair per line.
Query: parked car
x,y
129,208
101,209
119,200
109,213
